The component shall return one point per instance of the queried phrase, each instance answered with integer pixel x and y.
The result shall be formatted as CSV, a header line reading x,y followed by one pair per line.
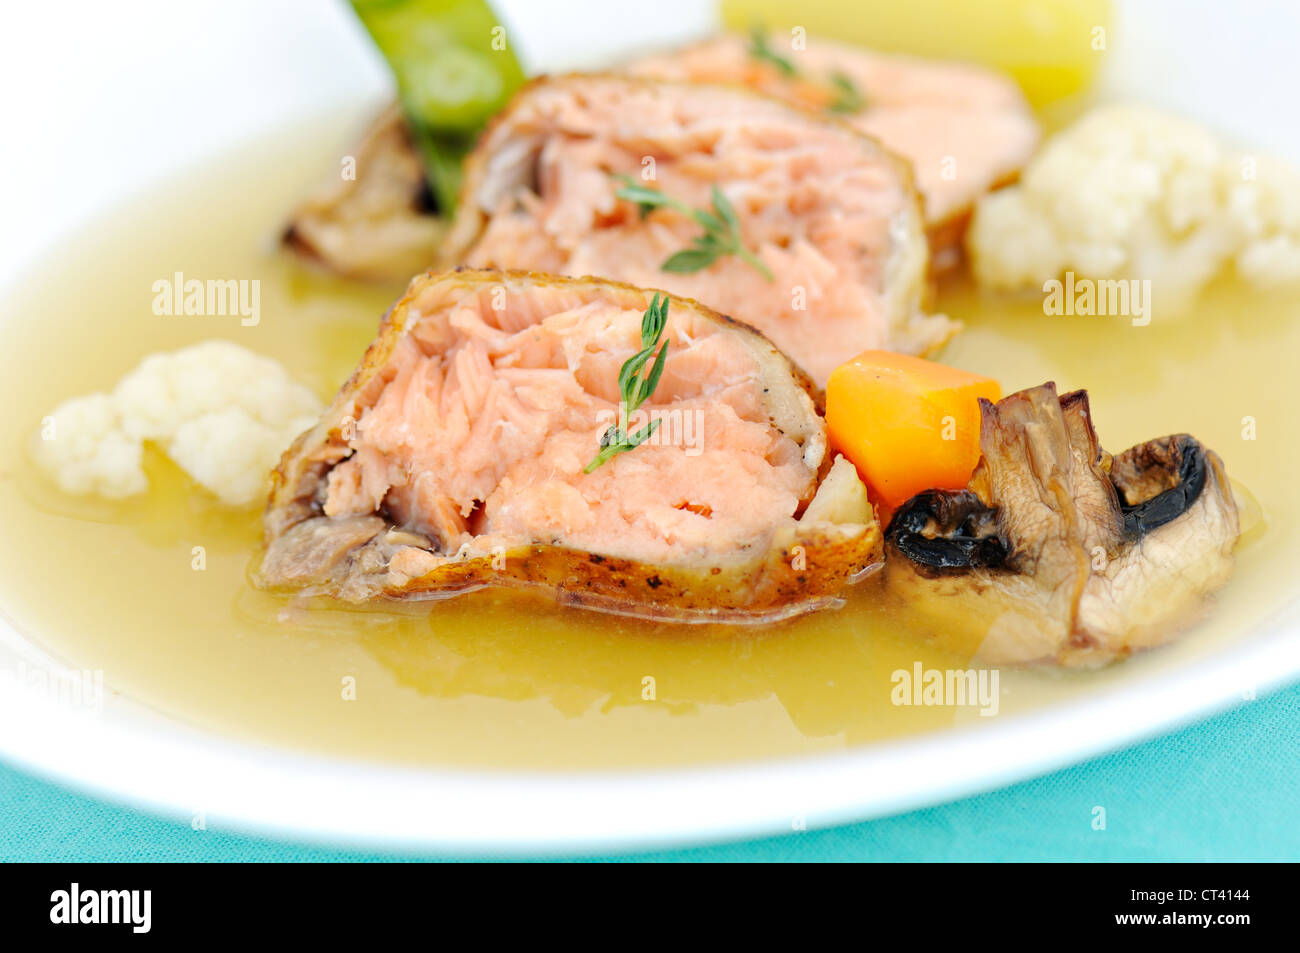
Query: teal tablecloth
x,y
1226,789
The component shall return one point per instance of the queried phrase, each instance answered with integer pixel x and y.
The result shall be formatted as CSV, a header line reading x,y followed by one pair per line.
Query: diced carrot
x,y
907,424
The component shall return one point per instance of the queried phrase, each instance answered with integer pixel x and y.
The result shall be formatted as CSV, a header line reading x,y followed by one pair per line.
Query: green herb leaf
x,y
646,199
656,371
615,442
721,226
760,49
725,209
689,261
653,321
847,98
634,387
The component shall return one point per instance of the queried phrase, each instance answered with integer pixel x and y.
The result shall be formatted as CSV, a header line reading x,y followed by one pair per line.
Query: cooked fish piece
x,y
377,225
1057,552
965,129
827,211
455,456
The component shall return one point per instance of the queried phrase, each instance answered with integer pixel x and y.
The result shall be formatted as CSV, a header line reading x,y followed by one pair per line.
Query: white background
x,y
97,98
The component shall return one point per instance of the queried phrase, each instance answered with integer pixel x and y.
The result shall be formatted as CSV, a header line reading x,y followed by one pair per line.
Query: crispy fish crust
x,y
802,564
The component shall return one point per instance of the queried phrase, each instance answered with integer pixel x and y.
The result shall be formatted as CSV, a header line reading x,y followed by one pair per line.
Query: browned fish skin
x,y
1057,553
831,214
787,544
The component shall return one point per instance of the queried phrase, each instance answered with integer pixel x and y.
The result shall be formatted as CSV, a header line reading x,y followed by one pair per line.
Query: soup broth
x,y
499,678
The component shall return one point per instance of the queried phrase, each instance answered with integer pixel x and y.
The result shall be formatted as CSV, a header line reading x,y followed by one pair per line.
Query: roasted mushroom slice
x,y
1057,552
378,224
462,454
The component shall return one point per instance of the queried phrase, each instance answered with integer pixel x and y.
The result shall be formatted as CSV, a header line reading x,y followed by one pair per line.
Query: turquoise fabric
x,y
1225,789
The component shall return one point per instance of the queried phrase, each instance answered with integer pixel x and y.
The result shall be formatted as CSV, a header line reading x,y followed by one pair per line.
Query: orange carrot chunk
x,y
907,424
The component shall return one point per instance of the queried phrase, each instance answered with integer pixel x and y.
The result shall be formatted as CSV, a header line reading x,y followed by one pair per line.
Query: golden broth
x,y
503,679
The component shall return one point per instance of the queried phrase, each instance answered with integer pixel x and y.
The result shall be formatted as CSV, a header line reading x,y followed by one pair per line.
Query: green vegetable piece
x,y
454,69
721,234
847,98
635,388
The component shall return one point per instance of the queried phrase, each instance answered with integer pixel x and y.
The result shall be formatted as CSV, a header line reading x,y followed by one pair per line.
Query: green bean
x,y
455,69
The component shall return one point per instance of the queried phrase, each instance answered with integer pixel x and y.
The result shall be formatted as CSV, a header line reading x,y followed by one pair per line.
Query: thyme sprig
x,y
847,99
721,235
636,383
760,49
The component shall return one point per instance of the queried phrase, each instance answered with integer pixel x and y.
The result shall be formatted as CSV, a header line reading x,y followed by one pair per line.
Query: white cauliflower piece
x,y
223,413
1264,204
230,452
168,389
1131,192
83,446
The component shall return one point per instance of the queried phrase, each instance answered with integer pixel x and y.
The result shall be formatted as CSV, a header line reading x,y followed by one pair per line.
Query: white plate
x,y
148,101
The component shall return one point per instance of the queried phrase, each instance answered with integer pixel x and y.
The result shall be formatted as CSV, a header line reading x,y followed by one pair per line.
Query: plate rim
x,y
174,770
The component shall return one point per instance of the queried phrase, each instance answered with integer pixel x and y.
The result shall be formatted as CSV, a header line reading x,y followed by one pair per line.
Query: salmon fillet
x,y
454,458
829,213
964,129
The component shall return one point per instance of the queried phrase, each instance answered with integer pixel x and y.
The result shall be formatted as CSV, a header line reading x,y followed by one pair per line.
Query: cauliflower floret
x,y
221,412
1264,203
1131,192
168,389
230,452
82,445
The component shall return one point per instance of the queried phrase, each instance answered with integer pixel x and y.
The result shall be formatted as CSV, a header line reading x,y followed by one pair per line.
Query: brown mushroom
x,y
378,224
1057,552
